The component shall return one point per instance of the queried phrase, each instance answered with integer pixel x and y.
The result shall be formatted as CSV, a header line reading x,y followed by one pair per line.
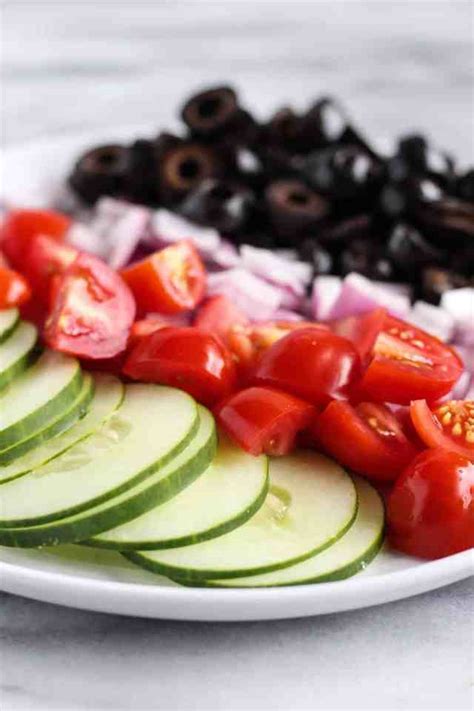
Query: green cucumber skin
x,y
60,424
203,575
213,532
16,368
23,429
73,531
125,486
8,331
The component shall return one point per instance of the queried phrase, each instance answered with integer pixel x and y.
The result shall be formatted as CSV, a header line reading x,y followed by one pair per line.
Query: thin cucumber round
x,y
108,395
9,320
224,497
52,426
346,557
311,503
17,352
161,486
151,427
45,389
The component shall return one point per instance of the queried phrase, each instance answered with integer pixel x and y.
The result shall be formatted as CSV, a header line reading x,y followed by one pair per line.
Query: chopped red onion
x,y
169,228
255,297
291,299
179,320
432,319
286,315
326,290
225,256
460,304
359,295
396,287
461,388
467,355
275,269
86,239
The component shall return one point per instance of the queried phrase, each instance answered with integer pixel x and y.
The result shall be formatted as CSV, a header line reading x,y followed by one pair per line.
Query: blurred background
x,y
397,65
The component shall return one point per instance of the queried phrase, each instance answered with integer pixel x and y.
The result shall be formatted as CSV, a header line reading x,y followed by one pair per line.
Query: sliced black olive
x,y
220,204
211,112
410,251
140,184
398,200
435,281
416,156
100,171
325,123
365,258
465,186
283,130
293,209
320,259
448,222
338,234
183,167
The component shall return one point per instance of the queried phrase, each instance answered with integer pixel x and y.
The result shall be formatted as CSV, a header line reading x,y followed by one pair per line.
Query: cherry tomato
x,y
263,420
20,226
14,289
153,322
408,364
310,363
169,281
218,315
92,310
430,510
367,438
449,425
185,358
43,260
362,331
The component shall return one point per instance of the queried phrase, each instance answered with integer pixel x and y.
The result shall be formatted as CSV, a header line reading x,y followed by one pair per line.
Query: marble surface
x,y
399,66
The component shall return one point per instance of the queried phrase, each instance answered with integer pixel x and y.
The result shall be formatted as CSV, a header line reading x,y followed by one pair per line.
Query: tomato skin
x,y
91,312
446,425
185,358
169,281
362,331
263,420
367,438
20,226
310,363
408,364
218,314
45,258
430,511
14,289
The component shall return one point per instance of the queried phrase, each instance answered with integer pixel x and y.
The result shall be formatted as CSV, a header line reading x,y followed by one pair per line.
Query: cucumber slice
x,y
151,427
53,425
108,394
17,352
161,486
43,390
346,557
310,504
235,484
9,320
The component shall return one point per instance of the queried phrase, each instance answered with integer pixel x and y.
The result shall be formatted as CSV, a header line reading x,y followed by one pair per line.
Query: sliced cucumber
x,y
16,352
45,389
9,320
161,486
52,425
108,394
346,557
152,426
310,504
229,492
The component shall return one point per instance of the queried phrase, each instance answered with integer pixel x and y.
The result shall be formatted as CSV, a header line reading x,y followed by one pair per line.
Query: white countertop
x,y
399,66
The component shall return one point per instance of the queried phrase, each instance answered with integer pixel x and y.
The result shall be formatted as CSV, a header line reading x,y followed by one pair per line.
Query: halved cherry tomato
x,y
367,438
92,310
153,322
43,260
362,330
408,364
310,363
20,226
430,510
14,289
169,281
449,425
185,358
264,420
218,314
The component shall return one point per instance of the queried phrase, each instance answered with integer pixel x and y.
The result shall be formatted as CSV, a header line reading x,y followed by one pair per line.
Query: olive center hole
x,y
189,168
298,197
208,108
107,158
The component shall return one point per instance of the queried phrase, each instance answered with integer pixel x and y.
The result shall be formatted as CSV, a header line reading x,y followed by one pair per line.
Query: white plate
x,y
103,581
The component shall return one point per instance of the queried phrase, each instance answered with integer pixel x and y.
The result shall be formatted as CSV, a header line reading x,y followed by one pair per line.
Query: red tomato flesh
x,y
362,331
185,358
170,281
218,314
92,310
430,510
44,259
20,226
449,425
263,420
367,438
14,289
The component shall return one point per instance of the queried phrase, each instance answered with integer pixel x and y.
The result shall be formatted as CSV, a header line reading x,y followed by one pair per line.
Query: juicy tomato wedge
x,y
430,510
14,289
153,322
408,364
44,259
20,226
310,363
449,425
263,420
218,315
367,438
362,330
169,281
92,310
185,358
